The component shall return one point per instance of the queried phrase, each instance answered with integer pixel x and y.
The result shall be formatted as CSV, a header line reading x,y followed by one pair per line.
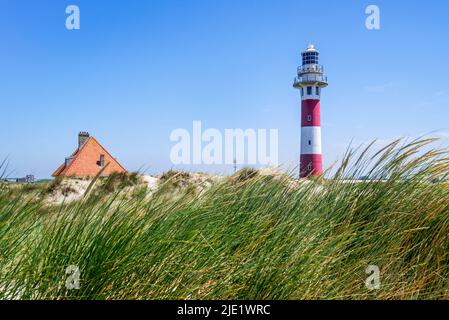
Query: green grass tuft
x,y
259,238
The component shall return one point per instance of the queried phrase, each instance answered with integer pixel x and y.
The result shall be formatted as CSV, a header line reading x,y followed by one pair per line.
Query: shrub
x,y
54,184
245,174
176,178
117,181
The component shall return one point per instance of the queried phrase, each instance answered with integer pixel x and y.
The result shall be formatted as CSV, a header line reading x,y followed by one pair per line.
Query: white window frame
x,y
102,160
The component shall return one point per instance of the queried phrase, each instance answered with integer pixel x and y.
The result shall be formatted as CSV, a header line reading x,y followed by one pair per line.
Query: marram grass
x,y
256,237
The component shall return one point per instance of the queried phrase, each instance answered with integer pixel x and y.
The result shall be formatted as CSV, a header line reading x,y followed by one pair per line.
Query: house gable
x,y
87,162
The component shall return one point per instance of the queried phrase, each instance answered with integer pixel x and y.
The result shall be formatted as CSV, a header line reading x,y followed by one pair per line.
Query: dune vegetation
x,y
247,236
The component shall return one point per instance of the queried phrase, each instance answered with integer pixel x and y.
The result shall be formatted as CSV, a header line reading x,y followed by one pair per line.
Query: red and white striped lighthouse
x,y
310,81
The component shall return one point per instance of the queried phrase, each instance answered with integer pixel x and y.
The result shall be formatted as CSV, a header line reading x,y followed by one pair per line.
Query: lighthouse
x,y
310,80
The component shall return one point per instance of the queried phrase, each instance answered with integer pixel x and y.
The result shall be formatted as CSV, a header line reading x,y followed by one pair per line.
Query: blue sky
x,y
136,70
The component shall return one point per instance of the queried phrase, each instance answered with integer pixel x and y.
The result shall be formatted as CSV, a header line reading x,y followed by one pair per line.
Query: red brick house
x,y
88,159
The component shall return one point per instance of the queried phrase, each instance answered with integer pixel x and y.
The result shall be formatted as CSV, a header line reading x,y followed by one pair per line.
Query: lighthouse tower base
x,y
310,165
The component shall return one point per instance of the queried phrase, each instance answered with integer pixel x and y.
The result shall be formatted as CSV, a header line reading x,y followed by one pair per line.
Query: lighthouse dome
x,y
311,48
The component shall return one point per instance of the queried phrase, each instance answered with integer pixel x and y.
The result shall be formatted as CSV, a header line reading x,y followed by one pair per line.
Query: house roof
x,y
62,169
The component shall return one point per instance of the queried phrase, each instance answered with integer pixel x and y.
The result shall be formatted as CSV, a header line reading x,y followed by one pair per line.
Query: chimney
x,y
82,138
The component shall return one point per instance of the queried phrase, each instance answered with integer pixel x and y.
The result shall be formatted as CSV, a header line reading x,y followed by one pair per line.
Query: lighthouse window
x,y
310,58
310,142
309,117
309,91
309,167
302,92
317,91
